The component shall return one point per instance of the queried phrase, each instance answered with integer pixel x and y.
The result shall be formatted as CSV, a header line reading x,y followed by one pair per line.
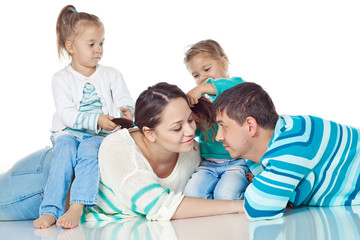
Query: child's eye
x,y
196,75
101,44
91,44
207,69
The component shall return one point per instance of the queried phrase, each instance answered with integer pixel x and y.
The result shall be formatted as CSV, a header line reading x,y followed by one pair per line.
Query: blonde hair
x,y
209,46
68,25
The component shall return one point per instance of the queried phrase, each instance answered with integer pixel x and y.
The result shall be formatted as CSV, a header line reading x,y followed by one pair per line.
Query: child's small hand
x,y
194,95
104,121
126,113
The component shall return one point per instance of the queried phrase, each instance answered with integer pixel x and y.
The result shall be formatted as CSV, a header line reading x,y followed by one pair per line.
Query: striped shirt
x,y
309,161
130,188
68,90
90,109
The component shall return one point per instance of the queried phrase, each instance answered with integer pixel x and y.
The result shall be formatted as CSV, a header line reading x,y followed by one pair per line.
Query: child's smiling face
x,y
203,66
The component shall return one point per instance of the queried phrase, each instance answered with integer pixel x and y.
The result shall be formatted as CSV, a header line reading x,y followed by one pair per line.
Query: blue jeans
x,y
226,181
73,154
22,187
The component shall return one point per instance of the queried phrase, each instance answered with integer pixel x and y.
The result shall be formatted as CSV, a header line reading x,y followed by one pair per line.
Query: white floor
x,y
304,223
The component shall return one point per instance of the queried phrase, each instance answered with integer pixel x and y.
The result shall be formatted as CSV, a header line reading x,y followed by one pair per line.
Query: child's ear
x,y
149,134
225,62
69,47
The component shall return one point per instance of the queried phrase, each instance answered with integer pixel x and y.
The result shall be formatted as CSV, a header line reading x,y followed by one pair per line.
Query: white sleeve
x,y
65,106
120,93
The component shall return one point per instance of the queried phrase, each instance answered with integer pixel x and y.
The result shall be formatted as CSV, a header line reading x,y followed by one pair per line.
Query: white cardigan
x,y
68,86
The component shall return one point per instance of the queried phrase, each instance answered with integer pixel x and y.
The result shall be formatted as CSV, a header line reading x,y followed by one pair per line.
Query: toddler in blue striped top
x,y
88,96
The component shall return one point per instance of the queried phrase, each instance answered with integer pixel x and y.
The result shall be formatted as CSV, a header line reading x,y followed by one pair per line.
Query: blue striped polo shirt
x,y
309,161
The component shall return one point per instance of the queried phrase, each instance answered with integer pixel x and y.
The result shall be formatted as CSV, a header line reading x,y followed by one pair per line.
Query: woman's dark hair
x,y
153,101
204,116
247,100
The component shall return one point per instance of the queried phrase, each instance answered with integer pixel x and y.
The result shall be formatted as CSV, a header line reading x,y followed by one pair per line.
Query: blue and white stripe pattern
x,y
109,208
90,109
143,203
309,161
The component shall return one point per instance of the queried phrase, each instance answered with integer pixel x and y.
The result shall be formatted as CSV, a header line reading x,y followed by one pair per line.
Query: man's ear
x,y
252,126
69,47
149,134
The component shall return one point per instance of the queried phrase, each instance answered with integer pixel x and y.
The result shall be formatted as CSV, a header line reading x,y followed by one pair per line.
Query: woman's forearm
x,y
198,207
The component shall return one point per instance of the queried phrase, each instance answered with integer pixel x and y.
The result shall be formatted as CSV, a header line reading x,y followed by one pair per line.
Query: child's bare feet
x,y
44,221
72,217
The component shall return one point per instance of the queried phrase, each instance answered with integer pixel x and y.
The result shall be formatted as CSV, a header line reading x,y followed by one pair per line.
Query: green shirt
x,y
210,148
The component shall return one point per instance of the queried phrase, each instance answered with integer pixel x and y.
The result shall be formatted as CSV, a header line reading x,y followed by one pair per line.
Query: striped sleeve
x,y
286,163
87,121
255,168
149,198
270,191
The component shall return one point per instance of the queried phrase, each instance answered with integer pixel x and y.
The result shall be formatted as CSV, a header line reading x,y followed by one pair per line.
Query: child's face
x,y
87,48
202,67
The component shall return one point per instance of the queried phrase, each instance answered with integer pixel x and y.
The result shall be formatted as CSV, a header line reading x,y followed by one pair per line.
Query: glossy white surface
x,y
302,223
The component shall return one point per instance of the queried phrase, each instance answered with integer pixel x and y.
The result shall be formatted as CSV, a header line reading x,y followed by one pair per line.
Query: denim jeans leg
x,y
202,182
60,177
232,183
22,186
85,186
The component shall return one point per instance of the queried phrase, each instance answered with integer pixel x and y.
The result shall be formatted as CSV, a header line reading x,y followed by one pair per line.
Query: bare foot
x,y
44,221
71,218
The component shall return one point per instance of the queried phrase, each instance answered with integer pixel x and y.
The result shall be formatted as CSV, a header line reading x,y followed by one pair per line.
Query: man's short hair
x,y
247,100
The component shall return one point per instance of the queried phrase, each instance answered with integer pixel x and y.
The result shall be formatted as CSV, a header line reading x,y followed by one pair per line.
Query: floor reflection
x,y
311,223
138,228
299,223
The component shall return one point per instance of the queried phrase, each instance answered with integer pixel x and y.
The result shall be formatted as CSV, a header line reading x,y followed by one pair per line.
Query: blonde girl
x,y
87,97
219,176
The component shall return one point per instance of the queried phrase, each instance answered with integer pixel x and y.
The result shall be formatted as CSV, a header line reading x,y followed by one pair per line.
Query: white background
x,y
306,54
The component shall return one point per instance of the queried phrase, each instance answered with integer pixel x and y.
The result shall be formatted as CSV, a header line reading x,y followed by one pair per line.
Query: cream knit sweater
x,y
130,188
